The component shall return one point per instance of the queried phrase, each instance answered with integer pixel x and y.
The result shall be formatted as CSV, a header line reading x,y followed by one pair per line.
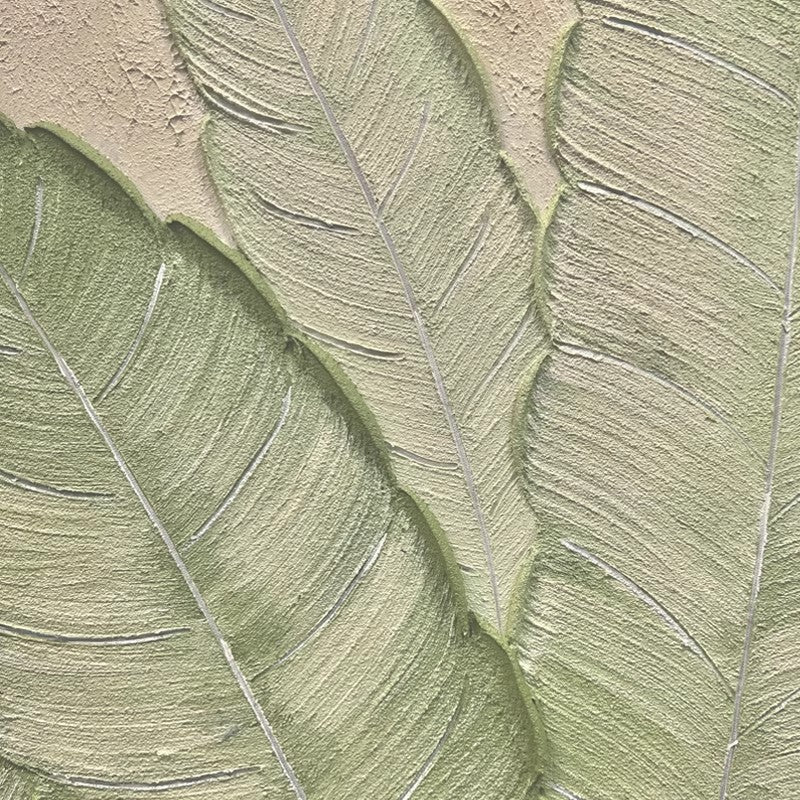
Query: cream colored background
x,y
514,39
108,72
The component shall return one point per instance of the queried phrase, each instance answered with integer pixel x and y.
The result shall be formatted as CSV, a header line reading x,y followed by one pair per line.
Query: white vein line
x,y
366,34
783,354
92,640
74,384
411,154
679,222
248,472
24,484
687,640
137,341
565,793
697,52
785,509
227,11
351,347
466,263
255,118
10,350
441,390
505,354
155,786
541,626
37,226
423,461
430,761
333,612
709,408
771,712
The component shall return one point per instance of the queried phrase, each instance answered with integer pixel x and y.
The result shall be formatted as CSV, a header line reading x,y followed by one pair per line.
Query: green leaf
x,y
353,147
661,626
212,586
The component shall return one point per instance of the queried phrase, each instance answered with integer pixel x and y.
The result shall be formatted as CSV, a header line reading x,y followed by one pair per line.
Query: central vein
x,y
427,346
75,385
763,522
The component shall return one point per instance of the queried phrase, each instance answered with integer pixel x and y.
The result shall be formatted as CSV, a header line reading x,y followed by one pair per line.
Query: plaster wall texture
x,y
515,41
110,73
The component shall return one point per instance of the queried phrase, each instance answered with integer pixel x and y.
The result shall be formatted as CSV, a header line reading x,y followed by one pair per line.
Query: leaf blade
x,y
670,268
437,230
106,700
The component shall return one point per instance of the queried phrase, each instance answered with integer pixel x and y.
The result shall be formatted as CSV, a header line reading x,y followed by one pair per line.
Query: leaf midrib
x,y
783,352
388,240
74,384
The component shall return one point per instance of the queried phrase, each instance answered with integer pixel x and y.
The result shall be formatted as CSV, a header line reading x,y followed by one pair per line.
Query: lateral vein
x,y
37,226
137,340
430,761
333,611
698,52
686,638
713,411
246,473
113,640
19,482
73,383
679,222
87,782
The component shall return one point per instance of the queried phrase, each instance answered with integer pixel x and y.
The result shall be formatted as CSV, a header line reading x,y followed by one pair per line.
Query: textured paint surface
x,y
354,150
110,73
211,585
515,40
661,628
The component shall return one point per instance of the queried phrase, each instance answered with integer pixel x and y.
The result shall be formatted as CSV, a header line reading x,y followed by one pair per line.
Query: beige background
x,y
109,72
514,39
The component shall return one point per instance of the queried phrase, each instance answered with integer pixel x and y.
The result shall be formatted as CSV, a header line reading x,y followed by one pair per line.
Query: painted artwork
x,y
398,400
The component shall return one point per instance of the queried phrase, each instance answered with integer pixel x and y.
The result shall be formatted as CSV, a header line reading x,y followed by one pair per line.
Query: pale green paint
x,y
395,693
664,430
354,149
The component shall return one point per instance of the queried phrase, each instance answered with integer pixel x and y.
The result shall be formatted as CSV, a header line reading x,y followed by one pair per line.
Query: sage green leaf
x,y
353,148
661,626
211,585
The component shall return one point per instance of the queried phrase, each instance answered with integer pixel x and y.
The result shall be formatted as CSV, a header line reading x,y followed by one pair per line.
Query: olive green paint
x,y
657,623
121,674
355,151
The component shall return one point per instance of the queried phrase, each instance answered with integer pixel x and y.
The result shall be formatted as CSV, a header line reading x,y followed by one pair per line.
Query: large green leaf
x,y
211,586
353,148
661,628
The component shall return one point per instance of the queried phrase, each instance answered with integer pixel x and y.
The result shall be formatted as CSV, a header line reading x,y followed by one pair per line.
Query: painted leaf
x,y
661,629
211,585
354,151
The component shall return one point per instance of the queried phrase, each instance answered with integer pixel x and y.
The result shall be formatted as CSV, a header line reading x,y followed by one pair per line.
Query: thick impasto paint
x,y
469,473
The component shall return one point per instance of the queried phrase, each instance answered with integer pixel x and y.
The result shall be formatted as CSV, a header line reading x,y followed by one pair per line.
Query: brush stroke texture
x,y
133,663
663,433
431,255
